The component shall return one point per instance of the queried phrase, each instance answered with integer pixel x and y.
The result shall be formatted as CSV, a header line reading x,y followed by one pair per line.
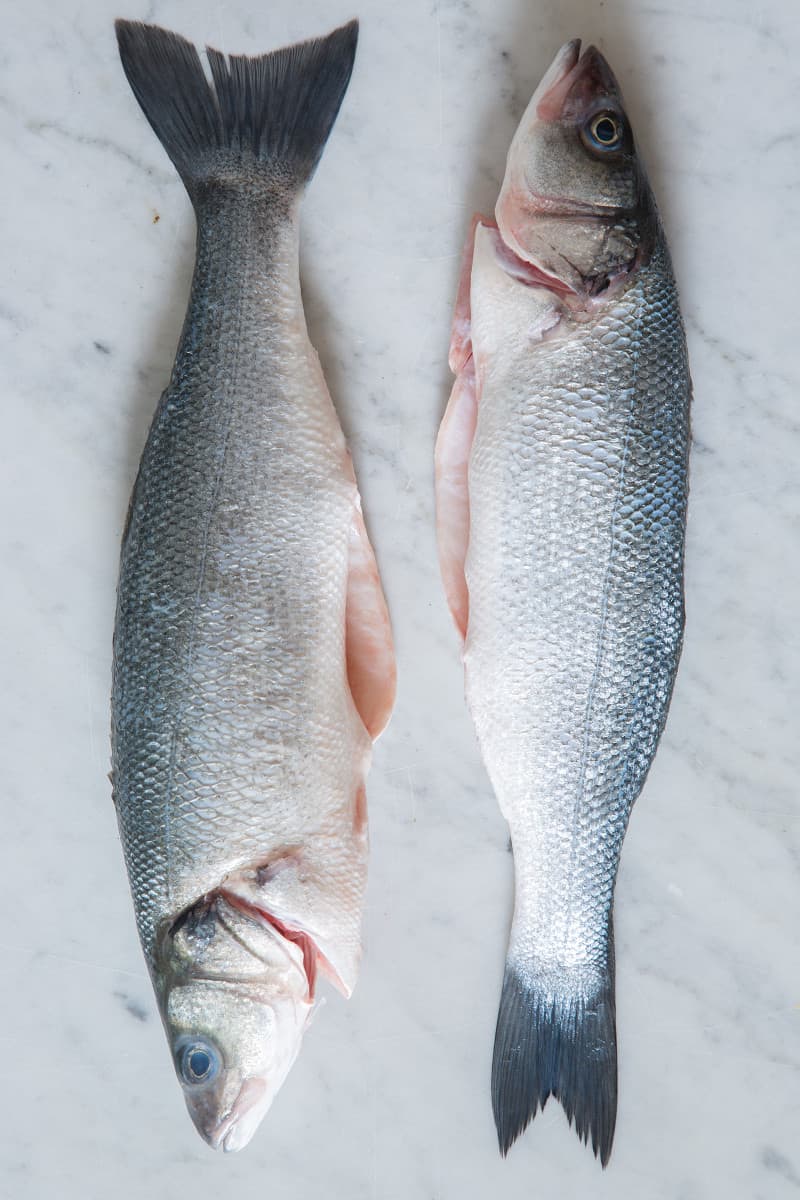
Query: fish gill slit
x,y
230,379
590,699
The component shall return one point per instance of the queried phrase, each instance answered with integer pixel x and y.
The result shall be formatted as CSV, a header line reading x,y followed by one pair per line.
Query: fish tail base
x,y
264,118
554,1039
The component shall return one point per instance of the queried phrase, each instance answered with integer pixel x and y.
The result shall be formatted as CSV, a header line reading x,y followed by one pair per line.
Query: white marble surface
x,y
390,1096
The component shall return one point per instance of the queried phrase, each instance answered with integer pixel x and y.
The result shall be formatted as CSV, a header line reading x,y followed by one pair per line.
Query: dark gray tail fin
x,y
554,1042
267,115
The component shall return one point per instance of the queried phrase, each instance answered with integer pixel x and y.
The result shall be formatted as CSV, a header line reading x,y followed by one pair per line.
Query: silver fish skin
x,y
253,661
563,560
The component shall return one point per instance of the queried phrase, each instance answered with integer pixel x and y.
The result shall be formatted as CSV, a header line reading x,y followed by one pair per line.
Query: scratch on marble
x,y
39,955
673,14
408,774
439,80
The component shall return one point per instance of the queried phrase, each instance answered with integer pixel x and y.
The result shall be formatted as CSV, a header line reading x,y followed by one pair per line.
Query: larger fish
x,y
561,493
253,660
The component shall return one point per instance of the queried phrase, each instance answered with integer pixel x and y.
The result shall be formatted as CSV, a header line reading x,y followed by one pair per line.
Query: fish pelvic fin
x,y
556,1037
265,118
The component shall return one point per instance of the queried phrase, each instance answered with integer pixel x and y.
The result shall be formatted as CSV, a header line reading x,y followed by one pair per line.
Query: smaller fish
x,y
561,471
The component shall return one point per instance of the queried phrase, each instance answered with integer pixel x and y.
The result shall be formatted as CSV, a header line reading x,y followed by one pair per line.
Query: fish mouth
x,y
574,83
591,78
548,94
235,1128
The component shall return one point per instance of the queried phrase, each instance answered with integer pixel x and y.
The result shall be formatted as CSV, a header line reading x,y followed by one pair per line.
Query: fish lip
x,y
564,62
552,83
223,1134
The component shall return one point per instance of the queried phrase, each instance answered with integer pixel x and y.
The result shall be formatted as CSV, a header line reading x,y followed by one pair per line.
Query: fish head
x,y
575,200
235,1000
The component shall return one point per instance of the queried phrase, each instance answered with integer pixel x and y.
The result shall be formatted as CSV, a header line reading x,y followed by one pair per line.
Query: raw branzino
x,y
561,499
253,660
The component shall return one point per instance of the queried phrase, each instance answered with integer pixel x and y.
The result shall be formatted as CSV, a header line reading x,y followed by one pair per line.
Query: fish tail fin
x,y
556,1038
268,116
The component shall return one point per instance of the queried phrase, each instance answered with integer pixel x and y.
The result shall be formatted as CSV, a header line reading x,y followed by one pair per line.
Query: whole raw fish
x,y
561,497
253,660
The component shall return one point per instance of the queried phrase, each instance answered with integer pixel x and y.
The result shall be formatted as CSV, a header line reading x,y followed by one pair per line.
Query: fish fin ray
x,y
270,114
562,1046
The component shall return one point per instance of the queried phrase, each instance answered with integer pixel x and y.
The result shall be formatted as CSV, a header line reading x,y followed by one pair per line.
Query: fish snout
x,y
590,81
234,1128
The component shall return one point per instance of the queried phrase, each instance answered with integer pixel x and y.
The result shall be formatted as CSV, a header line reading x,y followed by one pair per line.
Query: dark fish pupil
x,y
199,1063
605,131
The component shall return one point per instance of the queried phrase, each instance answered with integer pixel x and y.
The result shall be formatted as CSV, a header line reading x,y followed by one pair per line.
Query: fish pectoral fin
x,y
371,667
453,447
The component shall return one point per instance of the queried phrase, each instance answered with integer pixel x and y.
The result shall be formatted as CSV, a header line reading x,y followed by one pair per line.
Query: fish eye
x,y
603,132
197,1062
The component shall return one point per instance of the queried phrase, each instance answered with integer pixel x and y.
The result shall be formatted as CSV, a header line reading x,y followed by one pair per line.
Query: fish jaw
x,y
234,987
545,100
258,1033
234,1127
568,207
228,1117
577,82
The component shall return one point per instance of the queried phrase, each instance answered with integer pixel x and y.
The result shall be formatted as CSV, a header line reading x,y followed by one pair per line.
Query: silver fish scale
x,y
578,480
234,733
